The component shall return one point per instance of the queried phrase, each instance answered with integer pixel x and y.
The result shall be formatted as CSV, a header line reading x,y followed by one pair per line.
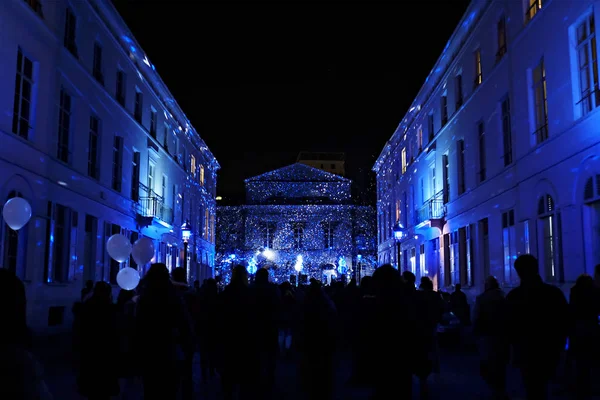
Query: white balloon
x,y
16,213
143,251
118,247
128,278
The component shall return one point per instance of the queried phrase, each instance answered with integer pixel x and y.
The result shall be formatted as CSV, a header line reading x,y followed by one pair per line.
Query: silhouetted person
x,y
186,295
98,345
268,308
584,335
237,337
287,317
430,308
490,327
316,343
20,374
460,306
87,290
206,319
363,373
164,334
394,323
538,324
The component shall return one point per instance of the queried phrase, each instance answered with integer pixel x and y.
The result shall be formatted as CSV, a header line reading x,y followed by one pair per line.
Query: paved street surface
x,y
459,378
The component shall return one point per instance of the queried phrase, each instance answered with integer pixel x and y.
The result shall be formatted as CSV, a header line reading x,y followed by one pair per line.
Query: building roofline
x,y
146,70
454,45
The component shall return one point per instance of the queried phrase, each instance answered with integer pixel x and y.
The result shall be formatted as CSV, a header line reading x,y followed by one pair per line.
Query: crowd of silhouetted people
x,y
241,334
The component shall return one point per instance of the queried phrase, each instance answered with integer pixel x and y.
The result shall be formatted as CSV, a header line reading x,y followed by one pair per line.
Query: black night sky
x,y
261,81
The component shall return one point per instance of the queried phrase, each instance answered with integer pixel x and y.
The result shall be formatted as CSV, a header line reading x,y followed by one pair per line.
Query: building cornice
x,y
458,40
146,70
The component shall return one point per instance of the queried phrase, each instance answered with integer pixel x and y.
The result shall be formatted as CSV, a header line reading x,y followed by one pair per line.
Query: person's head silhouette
x,y
262,276
239,275
12,308
527,267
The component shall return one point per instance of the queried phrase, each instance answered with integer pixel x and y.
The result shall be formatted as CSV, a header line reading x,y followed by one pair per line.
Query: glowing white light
x,y
61,183
269,254
146,61
298,266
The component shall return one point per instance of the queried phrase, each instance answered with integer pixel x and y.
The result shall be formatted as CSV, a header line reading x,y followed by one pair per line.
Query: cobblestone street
x,y
459,378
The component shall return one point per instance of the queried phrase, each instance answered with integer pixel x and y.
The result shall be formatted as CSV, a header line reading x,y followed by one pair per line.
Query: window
x,y
459,90
430,126
201,175
62,225
444,108
413,260
446,177
540,102
11,246
484,237
90,247
206,223
193,164
470,255
404,211
298,236
36,6
404,162
117,168
327,235
433,183
501,32
482,154
64,127
506,131
422,189
163,187
114,266
532,9
422,266
22,107
587,57
397,208
121,82
165,141
70,30
94,148
153,123
420,138
97,64
548,230
269,234
135,176
460,158
509,245
478,68
151,171
526,236
139,104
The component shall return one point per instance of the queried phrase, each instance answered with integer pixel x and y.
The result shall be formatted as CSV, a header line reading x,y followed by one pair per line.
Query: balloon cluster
x,y
17,213
120,248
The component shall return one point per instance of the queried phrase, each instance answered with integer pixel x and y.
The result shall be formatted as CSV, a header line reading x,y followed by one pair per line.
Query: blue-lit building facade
x,y
93,139
298,220
499,154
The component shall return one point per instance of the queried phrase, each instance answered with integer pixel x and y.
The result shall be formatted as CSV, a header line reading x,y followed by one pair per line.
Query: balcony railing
x,y
432,209
154,207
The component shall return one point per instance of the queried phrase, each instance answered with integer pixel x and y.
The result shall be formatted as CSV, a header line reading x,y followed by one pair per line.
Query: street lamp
x,y
186,233
399,234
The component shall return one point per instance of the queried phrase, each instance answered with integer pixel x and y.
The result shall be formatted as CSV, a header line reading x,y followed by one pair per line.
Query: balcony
x,y
154,207
432,212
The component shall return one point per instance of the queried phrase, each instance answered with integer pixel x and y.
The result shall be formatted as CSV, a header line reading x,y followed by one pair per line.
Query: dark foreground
x,y
459,377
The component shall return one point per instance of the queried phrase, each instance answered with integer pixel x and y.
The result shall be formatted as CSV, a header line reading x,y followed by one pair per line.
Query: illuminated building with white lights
x,y
93,139
298,220
499,154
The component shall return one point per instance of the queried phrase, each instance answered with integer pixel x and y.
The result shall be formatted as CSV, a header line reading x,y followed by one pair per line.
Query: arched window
x,y
548,236
10,244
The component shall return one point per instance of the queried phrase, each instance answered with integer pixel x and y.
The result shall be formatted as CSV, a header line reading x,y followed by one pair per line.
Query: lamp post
x,y
186,233
399,234
358,269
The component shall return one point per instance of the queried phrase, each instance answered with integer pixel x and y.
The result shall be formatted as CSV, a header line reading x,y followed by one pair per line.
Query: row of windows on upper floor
x,y
589,99
22,116
25,87
589,96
